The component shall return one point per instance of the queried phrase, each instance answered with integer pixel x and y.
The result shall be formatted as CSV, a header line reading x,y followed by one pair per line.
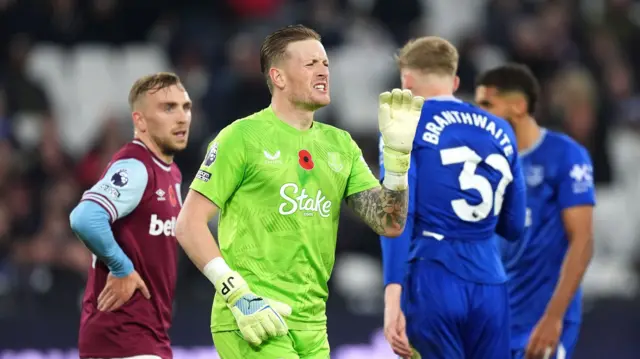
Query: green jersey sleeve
x,y
222,170
360,179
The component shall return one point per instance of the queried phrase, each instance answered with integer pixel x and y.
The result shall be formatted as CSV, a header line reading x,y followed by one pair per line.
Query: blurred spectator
x,y
239,88
255,8
23,93
90,167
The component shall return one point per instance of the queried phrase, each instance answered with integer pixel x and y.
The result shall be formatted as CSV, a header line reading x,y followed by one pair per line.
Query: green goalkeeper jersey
x,y
280,190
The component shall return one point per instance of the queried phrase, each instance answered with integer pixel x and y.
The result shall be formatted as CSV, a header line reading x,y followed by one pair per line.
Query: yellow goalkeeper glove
x,y
258,318
398,116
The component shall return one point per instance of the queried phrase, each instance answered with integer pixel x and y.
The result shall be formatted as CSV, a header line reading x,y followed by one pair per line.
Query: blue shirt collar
x,y
444,98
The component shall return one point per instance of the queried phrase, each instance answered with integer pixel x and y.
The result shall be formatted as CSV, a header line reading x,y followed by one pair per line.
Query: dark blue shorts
x,y
451,318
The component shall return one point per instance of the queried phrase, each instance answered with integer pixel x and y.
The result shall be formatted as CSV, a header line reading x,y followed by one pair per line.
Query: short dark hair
x,y
275,45
513,78
152,83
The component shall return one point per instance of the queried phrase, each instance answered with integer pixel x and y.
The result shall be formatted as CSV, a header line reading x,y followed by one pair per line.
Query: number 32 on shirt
x,y
470,180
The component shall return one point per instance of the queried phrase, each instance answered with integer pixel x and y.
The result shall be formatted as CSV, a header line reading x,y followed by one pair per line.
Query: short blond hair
x,y
430,54
152,83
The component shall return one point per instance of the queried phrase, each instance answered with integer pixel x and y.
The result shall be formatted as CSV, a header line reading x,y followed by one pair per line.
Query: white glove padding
x,y
398,116
258,318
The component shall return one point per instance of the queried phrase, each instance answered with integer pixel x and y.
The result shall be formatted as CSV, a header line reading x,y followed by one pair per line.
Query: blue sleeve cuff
x,y
395,251
395,256
91,223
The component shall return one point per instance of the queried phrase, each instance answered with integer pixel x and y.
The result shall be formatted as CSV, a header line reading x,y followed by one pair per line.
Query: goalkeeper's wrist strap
x,y
395,161
396,165
395,181
226,281
216,269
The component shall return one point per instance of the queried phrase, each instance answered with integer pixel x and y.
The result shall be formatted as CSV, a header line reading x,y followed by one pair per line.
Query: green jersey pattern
x,y
280,190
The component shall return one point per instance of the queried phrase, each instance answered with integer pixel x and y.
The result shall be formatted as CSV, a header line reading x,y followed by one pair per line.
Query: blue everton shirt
x,y
559,175
465,185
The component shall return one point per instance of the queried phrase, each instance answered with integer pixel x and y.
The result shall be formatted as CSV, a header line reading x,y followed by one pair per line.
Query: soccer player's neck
x,y
431,91
154,148
527,133
289,113
432,85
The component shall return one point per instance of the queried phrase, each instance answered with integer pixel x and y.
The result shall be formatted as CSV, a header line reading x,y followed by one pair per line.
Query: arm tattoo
x,y
384,210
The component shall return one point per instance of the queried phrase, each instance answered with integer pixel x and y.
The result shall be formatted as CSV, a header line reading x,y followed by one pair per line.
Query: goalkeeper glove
x,y
398,116
258,318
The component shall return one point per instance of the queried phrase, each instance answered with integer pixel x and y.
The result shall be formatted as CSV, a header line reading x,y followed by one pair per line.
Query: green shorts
x,y
298,344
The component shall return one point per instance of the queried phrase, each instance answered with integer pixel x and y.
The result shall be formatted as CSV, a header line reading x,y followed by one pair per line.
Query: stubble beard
x,y
166,147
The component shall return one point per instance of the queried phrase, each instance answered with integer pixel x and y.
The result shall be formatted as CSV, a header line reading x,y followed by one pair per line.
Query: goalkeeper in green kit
x,y
278,179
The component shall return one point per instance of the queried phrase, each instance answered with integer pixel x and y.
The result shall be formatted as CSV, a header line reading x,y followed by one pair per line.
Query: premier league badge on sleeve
x,y
211,155
120,178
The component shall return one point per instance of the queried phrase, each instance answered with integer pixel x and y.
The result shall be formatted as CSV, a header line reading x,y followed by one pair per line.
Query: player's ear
x,y
277,77
407,80
519,106
138,121
456,84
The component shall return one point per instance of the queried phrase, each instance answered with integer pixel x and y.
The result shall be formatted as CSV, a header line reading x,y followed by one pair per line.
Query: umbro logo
x,y
161,195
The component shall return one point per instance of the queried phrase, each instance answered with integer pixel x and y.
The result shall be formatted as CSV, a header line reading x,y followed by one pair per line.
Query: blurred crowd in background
x,y
66,67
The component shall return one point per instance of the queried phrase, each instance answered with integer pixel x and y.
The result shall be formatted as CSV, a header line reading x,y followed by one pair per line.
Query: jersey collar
x,y
159,162
528,151
444,98
285,126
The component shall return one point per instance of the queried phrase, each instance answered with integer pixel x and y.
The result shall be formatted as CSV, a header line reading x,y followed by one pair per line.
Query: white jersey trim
x,y
162,166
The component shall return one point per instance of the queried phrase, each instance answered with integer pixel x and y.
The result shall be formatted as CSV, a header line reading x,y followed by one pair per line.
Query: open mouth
x,y
321,87
180,134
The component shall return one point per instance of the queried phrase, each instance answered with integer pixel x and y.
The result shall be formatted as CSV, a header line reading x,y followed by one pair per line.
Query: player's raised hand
x,y
398,116
544,338
395,325
118,291
258,318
